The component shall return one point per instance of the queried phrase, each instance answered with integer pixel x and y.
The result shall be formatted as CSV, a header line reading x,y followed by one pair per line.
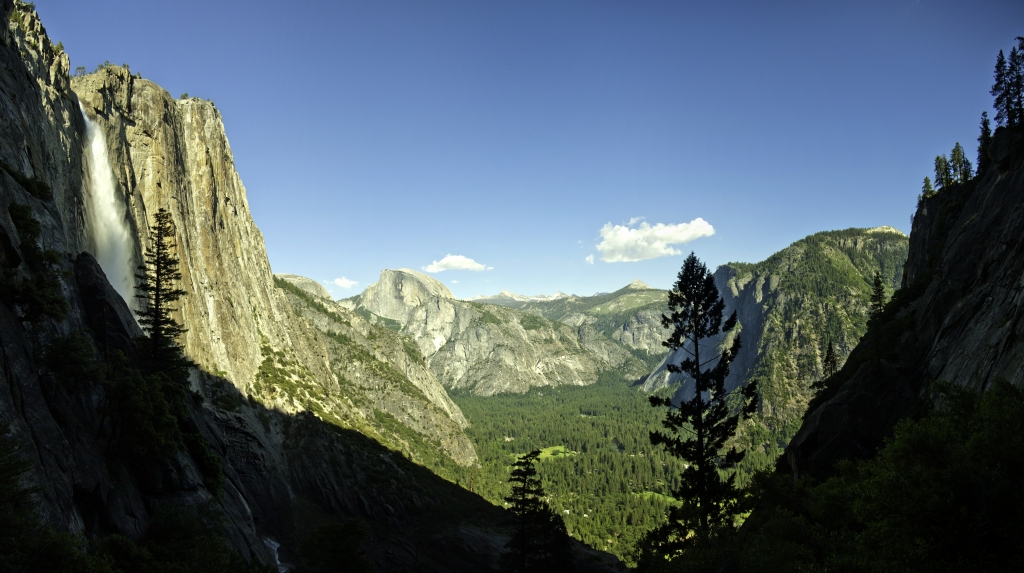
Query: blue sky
x,y
386,133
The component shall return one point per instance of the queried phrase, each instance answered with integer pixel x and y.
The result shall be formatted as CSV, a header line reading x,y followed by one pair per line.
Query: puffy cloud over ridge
x,y
344,282
628,243
454,263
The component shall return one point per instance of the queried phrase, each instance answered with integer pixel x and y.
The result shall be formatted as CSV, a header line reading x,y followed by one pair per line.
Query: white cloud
x,y
589,259
455,282
344,283
454,263
635,220
626,243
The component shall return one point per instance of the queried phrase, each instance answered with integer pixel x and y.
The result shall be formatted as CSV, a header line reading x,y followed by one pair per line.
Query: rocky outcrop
x,y
485,348
311,287
956,318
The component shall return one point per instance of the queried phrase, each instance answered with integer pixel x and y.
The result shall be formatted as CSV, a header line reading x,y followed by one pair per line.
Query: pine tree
x,y
708,503
926,189
540,542
984,143
1015,86
158,288
831,364
943,172
959,164
877,297
999,91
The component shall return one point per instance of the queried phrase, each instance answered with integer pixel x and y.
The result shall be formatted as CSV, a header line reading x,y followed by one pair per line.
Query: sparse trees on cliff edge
x,y
960,165
158,288
955,169
1008,86
697,429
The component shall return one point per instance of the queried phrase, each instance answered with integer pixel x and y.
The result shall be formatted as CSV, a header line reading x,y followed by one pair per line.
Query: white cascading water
x,y
105,215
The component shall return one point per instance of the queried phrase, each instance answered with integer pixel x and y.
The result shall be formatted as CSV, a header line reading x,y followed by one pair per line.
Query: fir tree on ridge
x,y
697,429
926,189
959,165
1008,86
943,172
984,143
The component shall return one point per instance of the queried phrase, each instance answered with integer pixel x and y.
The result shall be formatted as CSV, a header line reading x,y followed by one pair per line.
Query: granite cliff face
x,y
311,409
174,154
956,318
486,348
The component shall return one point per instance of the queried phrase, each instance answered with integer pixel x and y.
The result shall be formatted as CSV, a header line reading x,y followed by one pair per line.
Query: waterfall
x,y
106,215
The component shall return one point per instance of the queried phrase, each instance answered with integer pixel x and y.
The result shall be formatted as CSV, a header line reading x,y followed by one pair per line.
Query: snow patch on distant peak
x,y
504,294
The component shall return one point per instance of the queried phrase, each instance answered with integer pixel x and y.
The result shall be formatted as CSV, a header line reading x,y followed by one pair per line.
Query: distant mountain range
x,y
488,348
505,298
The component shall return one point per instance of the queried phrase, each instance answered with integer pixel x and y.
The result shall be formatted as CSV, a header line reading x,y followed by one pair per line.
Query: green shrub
x,y
488,318
178,539
38,291
145,429
27,545
413,351
532,322
34,186
72,360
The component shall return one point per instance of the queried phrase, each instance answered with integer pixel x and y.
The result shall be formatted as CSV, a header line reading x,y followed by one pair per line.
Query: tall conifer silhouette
x,y
539,543
984,143
158,288
696,430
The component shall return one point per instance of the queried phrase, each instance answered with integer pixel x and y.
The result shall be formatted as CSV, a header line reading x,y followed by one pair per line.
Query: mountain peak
x,y
639,285
306,284
886,229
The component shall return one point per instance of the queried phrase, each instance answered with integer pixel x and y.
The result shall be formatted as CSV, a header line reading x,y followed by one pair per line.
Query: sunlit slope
x,y
790,306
